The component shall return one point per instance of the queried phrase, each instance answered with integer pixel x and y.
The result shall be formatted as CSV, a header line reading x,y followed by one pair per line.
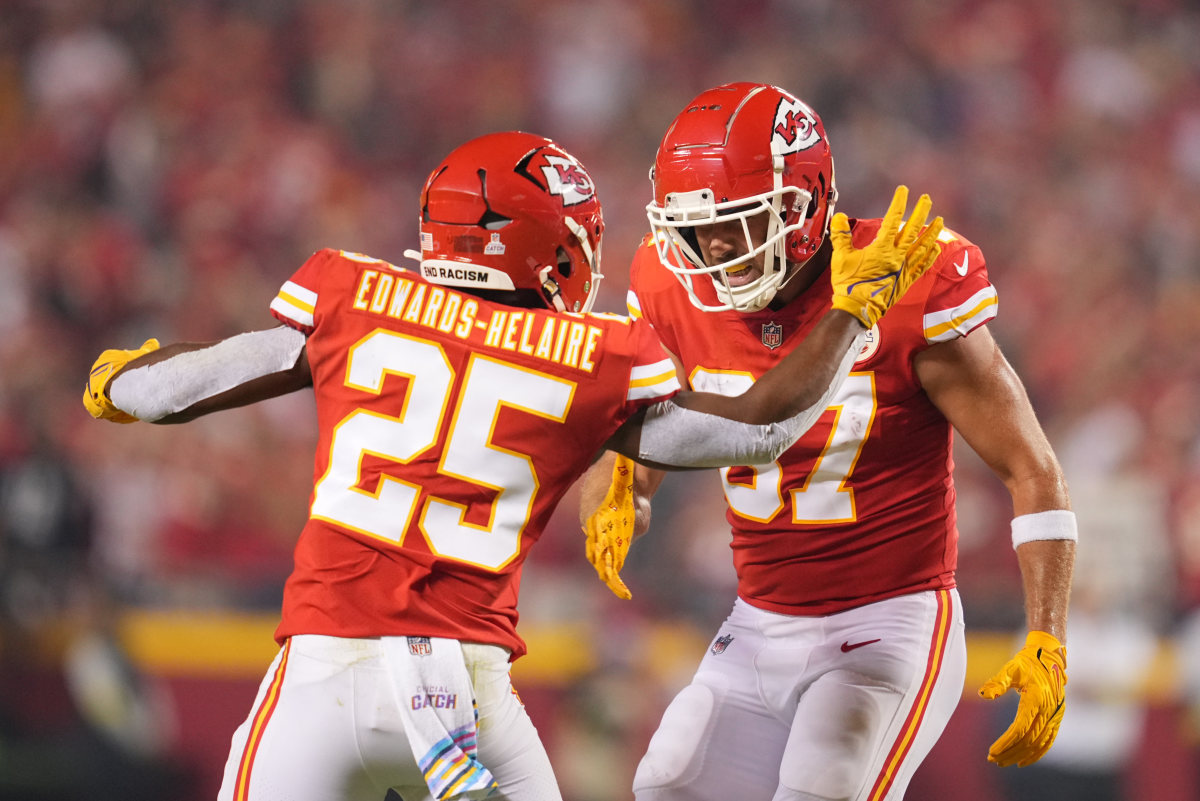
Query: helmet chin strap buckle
x,y
550,287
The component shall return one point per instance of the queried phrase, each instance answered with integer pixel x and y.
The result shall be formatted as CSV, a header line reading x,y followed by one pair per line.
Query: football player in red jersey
x,y
455,407
844,655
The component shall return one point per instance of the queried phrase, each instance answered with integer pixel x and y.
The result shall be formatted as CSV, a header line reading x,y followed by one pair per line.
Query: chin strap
x,y
550,287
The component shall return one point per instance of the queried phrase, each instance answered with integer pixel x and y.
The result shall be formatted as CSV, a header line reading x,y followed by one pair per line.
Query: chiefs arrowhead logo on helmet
x,y
795,126
568,180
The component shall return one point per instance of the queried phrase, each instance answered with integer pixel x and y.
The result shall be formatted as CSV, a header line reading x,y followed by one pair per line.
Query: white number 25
x,y
469,454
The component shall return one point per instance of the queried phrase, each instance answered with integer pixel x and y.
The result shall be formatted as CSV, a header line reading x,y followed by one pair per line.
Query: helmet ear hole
x,y
565,266
822,191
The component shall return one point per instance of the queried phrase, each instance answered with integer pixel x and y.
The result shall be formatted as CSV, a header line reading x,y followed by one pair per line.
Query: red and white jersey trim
x,y
948,324
652,380
295,303
633,304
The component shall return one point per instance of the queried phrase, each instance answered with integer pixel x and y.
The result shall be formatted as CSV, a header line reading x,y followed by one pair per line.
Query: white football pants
x,y
789,708
326,727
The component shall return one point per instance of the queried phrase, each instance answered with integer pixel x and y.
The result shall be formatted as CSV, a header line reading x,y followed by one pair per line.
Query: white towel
x,y
437,705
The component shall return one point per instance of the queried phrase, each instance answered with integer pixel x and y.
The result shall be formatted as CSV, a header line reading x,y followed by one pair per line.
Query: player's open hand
x,y
1039,673
105,368
609,529
868,281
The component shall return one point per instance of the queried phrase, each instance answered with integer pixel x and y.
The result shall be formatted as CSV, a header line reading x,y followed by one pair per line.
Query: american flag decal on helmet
x,y
772,335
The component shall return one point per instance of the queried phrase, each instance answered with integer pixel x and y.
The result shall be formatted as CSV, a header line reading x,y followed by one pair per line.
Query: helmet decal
x,y
568,180
494,247
795,126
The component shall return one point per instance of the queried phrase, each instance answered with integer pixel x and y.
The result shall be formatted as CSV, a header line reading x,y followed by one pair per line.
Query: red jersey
x,y
449,429
861,508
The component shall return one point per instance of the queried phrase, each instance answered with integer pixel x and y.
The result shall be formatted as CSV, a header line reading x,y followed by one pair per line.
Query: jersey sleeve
x,y
632,304
295,304
652,377
962,297
637,280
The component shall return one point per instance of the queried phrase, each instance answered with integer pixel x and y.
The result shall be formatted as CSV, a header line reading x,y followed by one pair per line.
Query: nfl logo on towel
x,y
420,646
772,335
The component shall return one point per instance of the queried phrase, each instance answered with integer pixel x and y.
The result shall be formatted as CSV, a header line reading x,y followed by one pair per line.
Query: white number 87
x,y
823,497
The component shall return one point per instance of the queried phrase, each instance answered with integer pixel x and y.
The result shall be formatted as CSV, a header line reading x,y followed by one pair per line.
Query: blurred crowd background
x,y
164,166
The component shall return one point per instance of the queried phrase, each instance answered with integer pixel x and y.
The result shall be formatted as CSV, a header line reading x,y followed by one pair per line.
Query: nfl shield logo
x,y
420,646
721,644
495,247
772,335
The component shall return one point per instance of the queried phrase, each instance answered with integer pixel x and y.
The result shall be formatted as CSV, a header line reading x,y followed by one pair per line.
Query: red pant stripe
x,y
908,732
241,791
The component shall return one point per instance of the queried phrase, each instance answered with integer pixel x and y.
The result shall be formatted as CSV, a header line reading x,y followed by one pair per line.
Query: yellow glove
x,y
867,282
609,529
105,368
1039,673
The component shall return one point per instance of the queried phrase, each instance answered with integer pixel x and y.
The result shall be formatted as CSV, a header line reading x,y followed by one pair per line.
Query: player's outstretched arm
x,y
185,380
702,429
973,385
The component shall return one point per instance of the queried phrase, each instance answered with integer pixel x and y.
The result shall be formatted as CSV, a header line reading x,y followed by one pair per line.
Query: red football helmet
x,y
737,151
513,217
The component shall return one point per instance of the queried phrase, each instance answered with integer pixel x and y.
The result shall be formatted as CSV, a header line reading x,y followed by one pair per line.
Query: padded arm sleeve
x,y
679,437
156,390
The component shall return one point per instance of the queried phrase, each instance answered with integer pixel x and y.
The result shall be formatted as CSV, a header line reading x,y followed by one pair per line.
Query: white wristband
x,y
1055,524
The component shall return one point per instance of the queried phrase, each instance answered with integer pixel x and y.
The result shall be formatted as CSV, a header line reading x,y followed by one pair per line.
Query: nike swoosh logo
x,y
962,268
1059,679
847,647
